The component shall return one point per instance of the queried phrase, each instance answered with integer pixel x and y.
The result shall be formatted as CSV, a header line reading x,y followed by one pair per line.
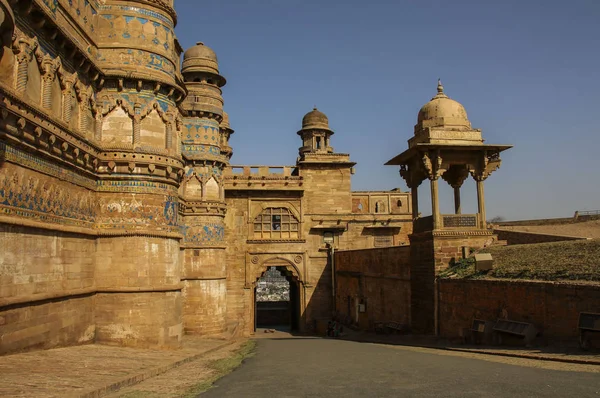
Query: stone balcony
x,y
262,177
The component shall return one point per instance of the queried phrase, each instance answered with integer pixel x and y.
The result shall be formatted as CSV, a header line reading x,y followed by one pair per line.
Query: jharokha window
x,y
276,223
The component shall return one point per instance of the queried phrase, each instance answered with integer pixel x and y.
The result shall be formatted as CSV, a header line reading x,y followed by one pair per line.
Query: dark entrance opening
x,y
277,300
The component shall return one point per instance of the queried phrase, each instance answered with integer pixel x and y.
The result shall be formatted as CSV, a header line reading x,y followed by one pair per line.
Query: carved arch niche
x,y
116,122
84,118
156,126
212,189
258,263
192,189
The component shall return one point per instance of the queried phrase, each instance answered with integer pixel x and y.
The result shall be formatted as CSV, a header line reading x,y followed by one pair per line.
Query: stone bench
x,y
396,327
481,331
521,329
589,323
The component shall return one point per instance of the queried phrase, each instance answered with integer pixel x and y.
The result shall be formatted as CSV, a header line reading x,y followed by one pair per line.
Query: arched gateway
x,y
278,295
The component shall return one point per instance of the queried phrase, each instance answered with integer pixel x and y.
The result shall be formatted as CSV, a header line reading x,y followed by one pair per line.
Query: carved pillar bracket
x,y
24,48
67,82
456,175
413,176
432,165
137,120
433,168
84,97
488,163
48,68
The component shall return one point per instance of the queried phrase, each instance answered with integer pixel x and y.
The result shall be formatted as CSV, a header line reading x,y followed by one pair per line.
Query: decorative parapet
x,y
260,171
260,177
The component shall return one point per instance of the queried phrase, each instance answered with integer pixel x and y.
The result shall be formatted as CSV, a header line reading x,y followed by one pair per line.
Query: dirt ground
x,y
192,378
590,229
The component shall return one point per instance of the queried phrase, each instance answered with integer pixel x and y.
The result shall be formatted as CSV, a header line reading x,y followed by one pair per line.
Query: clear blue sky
x,y
526,71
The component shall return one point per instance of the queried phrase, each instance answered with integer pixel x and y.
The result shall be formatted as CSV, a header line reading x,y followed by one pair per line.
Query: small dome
x,y
442,111
200,58
315,119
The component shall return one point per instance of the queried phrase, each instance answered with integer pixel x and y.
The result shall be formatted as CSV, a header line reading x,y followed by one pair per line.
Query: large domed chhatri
x,y
315,119
443,111
200,58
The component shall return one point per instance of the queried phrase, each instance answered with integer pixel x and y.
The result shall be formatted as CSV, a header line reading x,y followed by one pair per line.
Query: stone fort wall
x,y
552,307
89,174
379,280
118,223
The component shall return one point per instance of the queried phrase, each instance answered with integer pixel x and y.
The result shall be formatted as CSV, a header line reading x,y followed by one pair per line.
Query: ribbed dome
x,y
315,119
200,58
442,111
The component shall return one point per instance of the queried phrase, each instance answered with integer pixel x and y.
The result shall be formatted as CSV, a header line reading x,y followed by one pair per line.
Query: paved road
x,y
333,368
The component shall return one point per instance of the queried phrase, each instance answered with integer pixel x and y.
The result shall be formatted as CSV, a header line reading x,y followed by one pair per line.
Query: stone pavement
x,y
96,370
319,367
92,370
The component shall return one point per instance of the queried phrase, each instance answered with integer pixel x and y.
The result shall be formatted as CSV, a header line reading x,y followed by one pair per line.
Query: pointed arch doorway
x,y
277,298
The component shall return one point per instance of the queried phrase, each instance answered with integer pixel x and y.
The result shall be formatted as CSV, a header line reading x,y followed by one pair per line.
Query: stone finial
x,y
440,90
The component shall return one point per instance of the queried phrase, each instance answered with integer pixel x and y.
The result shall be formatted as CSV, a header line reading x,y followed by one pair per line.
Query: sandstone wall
x,y
139,283
422,276
431,253
328,190
552,307
46,288
377,278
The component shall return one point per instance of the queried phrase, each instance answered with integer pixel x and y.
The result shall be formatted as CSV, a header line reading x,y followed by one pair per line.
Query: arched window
x,y
276,223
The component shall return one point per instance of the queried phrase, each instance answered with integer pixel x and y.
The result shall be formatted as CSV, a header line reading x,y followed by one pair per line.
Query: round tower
x,y
134,121
205,151
315,133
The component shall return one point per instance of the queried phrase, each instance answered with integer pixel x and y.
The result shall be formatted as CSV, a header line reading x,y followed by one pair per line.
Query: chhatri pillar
x,y
444,147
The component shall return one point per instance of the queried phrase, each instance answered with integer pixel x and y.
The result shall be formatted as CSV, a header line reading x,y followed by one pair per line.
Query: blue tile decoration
x,y
205,235
38,197
17,156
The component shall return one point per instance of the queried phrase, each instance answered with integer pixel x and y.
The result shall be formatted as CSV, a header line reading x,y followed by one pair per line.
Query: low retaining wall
x,y
552,307
538,222
524,238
